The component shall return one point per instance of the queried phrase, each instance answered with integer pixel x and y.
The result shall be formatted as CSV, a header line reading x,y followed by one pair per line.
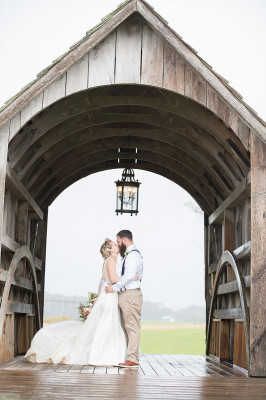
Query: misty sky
x,y
230,36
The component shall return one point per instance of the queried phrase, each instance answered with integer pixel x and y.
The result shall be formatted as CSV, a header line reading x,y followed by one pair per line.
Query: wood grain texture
x,y
258,258
195,87
152,57
102,61
31,109
55,91
174,70
128,51
4,134
77,76
15,125
7,339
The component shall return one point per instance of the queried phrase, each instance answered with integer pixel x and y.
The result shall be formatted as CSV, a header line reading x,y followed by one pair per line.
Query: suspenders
x,y
123,266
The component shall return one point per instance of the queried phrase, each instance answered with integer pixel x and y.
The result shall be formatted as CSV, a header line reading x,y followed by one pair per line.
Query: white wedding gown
x,y
100,340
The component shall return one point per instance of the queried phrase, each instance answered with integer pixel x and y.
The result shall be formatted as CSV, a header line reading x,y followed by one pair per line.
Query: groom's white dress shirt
x,y
133,267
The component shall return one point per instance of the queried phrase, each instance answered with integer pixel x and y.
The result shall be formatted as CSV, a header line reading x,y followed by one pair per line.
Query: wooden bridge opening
x,y
133,77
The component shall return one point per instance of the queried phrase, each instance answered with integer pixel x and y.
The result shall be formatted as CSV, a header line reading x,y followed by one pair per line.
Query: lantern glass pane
x,y
129,198
119,190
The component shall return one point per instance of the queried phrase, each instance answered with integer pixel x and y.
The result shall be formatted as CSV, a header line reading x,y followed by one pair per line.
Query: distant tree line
x,y
56,305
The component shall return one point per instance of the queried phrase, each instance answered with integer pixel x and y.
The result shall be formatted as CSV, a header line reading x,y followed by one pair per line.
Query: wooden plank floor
x,y
48,385
150,365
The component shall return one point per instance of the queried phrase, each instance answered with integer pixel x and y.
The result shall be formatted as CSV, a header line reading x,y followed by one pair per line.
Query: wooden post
x,y
229,238
4,135
258,258
22,232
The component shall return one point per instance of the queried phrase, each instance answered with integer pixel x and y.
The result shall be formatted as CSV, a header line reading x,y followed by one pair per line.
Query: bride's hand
x,y
94,301
136,278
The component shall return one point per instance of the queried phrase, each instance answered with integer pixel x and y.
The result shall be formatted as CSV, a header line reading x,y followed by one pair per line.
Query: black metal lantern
x,y
127,193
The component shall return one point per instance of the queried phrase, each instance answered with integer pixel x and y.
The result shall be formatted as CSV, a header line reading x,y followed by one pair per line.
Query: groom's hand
x,y
109,288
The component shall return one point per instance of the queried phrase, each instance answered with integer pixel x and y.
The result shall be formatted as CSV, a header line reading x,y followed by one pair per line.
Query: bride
x,y
100,340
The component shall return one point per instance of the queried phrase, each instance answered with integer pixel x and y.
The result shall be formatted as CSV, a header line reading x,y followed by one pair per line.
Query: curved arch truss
x,y
23,252
175,137
227,259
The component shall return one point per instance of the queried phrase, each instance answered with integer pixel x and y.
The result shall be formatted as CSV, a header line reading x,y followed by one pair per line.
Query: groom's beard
x,y
122,249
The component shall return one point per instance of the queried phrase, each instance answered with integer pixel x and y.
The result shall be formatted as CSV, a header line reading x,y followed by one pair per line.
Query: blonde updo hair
x,y
105,249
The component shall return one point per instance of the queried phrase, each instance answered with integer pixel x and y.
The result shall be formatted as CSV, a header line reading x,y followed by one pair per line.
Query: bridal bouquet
x,y
85,308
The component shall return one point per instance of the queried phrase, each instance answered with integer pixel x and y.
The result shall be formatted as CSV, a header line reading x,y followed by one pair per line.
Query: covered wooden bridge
x,y
132,82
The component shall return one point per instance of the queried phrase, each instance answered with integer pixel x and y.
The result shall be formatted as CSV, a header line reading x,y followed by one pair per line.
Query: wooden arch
x,y
225,260
64,141
22,253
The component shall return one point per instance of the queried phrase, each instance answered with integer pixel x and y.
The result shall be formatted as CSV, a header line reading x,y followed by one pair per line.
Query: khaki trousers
x,y
130,303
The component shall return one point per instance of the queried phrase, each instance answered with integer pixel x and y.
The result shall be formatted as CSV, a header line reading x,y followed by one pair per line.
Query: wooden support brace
x,y
235,198
22,193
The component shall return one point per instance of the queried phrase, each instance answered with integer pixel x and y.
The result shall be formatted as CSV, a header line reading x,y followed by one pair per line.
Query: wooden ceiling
x,y
175,137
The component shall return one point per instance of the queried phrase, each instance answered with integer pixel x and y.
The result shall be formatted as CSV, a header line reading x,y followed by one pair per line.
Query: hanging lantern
x,y
127,193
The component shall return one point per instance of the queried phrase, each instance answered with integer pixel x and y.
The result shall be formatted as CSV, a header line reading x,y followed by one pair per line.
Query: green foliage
x,y
174,341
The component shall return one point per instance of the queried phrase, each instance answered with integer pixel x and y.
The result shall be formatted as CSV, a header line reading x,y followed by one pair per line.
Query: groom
x,y
130,296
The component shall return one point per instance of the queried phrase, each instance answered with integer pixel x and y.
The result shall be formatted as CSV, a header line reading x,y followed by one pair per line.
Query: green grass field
x,y
172,338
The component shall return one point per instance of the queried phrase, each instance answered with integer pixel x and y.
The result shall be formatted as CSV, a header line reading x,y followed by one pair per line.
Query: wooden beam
x,y
213,267
232,313
9,244
243,252
20,308
18,281
258,258
234,199
4,135
231,287
22,193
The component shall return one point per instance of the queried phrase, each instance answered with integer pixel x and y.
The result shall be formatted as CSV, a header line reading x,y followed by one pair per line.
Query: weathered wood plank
x,y
15,125
9,244
232,313
173,71
243,252
231,287
77,76
258,258
195,87
31,109
128,51
102,62
20,308
152,57
55,91
7,339
224,351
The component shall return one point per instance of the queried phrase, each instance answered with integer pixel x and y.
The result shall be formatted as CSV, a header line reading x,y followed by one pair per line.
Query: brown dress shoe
x,y
128,364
